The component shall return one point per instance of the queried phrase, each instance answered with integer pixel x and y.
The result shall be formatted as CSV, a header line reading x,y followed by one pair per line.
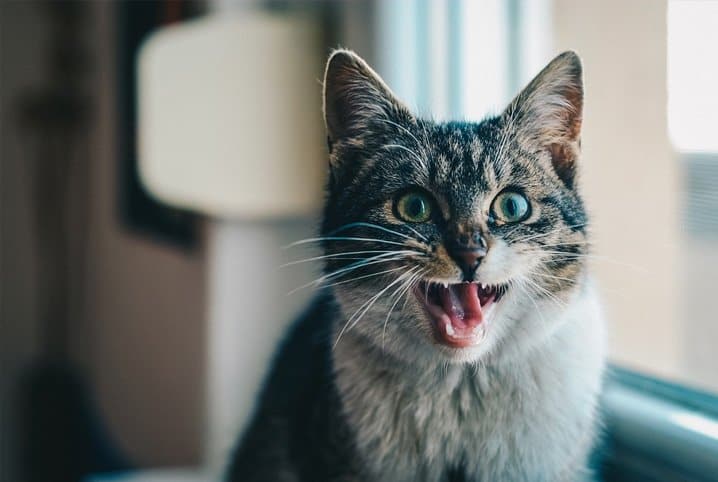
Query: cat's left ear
x,y
549,112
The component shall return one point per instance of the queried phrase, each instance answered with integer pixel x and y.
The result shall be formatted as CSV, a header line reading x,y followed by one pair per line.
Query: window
x,y
693,75
693,130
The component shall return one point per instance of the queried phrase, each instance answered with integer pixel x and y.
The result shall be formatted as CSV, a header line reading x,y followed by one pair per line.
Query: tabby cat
x,y
457,336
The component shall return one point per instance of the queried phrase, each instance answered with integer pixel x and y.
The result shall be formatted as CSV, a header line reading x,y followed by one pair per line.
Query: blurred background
x,y
155,157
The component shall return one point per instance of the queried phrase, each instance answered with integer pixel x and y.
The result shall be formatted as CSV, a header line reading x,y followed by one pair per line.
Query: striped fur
x,y
520,405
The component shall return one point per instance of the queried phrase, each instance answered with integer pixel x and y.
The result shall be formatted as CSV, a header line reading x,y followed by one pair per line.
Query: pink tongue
x,y
461,302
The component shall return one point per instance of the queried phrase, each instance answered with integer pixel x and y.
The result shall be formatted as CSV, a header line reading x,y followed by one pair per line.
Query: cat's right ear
x,y
549,112
354,96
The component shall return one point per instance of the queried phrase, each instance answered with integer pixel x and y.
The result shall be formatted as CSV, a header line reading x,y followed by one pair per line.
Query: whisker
x,y
396,297
530,297
415,282
554,231
540,289
376,226
516,228
378,295
603,288
567,243
406,287
360,264
340,238
351,322
414,154
421,236
402,128
337,256
550,276
566,255
351,280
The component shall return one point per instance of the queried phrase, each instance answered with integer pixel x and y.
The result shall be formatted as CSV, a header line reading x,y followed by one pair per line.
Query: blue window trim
x,y
687,397
645,438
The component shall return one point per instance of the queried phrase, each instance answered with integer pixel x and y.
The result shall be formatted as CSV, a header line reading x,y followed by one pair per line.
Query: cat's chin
x,y
459,313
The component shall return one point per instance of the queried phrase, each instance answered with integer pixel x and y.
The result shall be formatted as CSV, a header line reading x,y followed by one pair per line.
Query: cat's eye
x,y
511,207
414,207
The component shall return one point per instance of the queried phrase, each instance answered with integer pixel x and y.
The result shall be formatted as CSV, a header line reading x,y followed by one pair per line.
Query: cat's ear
x,y
354,95
549,112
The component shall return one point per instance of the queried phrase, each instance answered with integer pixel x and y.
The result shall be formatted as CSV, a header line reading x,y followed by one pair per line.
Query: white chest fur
x,y
528,418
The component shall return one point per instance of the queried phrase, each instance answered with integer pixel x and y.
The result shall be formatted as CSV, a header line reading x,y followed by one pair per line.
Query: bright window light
x,y
693,75
697,423
484,60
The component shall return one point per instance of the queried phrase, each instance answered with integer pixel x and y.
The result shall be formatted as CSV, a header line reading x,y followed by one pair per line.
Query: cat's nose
x,y
467,250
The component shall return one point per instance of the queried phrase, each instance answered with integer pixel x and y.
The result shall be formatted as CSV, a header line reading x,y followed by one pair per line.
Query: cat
x,y
458,335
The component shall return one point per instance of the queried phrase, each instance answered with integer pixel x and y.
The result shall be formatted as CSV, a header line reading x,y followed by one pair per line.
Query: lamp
x,y
230,126
229,117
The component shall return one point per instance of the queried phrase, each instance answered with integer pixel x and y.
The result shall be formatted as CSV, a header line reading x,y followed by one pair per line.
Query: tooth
x,y
446,285
477,331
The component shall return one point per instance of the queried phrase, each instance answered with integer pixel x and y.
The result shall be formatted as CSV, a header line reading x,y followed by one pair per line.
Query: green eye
x,y
414,207
511,207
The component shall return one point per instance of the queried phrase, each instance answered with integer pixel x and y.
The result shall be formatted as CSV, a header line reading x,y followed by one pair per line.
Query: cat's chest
x,y
479,425
423,431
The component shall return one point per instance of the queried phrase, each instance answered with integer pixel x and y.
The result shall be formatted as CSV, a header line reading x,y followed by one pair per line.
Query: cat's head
x,y
453,239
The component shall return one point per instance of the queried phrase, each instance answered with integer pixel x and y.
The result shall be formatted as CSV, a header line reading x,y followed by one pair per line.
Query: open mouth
x,y
458,311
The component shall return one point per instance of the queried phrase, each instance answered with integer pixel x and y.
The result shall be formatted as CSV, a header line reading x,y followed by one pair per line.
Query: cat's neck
x,y
404,414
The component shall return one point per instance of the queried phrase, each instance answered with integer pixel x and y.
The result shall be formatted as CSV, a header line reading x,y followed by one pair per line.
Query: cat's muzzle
x,y
459,311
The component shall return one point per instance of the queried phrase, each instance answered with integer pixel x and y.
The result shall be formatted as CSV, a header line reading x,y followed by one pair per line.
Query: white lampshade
x,y
230,116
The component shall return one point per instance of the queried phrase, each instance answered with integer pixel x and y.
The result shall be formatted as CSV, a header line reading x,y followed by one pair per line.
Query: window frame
x,y
644,438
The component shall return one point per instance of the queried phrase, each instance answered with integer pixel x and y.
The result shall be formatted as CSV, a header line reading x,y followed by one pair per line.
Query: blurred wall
x,y
19,312
136,327
18,296
699,258
631,178
145,306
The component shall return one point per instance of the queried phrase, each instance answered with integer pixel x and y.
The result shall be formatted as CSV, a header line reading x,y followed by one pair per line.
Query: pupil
x,y
511,207
416,207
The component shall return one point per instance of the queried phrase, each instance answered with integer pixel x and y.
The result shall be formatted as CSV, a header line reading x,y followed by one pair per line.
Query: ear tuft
x,y
550,111
353,95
